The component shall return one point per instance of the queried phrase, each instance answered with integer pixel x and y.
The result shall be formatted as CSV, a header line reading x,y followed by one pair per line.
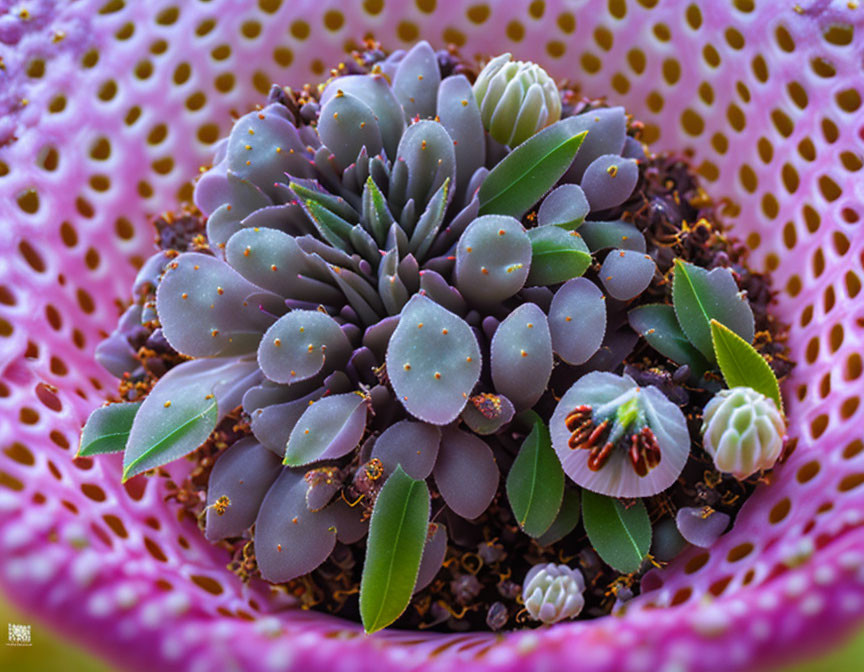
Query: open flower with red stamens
x,y
618,439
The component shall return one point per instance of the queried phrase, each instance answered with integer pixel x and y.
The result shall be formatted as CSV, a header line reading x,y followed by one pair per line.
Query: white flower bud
x,y
553,592
516,99
743,431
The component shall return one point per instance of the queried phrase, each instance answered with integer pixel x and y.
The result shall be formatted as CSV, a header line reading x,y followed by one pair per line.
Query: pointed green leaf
x,y
397,537
566,520
535,484
529,171
699,296
331,226
376,215
741,365
335,204
107,429
557,255
183,408
620,534
656,323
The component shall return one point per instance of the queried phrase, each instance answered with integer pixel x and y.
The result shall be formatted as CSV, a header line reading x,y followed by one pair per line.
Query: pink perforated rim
x,y
106,109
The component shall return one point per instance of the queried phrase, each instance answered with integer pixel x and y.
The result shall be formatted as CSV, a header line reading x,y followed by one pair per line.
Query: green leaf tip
x,y
107,429
741,365
535,484
397,537
620,534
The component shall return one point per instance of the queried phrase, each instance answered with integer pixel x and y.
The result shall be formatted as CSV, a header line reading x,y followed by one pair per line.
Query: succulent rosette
x,y
101,125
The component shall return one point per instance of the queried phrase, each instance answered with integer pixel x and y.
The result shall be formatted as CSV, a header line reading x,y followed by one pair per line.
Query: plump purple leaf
x,y
433,555
487,413
411,445
565,206
602,235
346,125
607,132
243,474
302,344
626,274
577,320
207,309
433,361
701,526
466,473
416,81
329,428
290,540
609,181
521,356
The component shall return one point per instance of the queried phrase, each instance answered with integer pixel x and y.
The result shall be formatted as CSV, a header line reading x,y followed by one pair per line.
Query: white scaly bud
x,y
553,592
742,430
516,99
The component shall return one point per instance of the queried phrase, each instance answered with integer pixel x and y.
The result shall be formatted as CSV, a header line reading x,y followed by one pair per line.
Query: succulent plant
x,y
516,99
742,430
553,592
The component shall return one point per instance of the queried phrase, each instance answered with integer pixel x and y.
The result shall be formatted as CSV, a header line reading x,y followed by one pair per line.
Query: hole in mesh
x,y
681,596
784,39
811,218
830,130
808,471
57,104
47,395
849,100
719,586
706,93
196,101
779,511
740,552
55,472
102,535
28,201
205,27
849,407
807,149
736,118
135,488
765,149
819,425
794,286
853,367
206,583
818,262
168,16
10,482
825,385
696,563
790,237
711,56
125,32
748,178
836,338
694,16
101,149
48,158
720,143
155,550
662,32
734,38
53,317
590,63
850,482
143,69
221,52
566,22
100,182
94,492
6,296
28,416
453,36
107,91
851,161
182,73
829,188
158,47
790,178
116,525
853,449
132,115
70,506
823,68
59,439
839,34
18,452
603,38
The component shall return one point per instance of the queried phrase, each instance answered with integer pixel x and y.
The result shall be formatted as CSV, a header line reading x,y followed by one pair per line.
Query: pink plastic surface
x,y
769,101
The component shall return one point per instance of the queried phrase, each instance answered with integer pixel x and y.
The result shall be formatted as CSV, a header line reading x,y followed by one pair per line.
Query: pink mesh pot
x,y
108,108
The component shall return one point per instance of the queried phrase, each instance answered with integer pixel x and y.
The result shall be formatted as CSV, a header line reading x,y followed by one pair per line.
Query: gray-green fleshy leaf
x,y
329,428
291,540
242,475
433,361
565,206
620,534
229,319
529,171
346,125
577,320
183,408
394,549
493,259
466,473
603,235
700,296
459,114
302,344
566,520
410,445
107,429
557,255
609,180
626,274
535,484
741,365
521,356
426,151
657,324
416,81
